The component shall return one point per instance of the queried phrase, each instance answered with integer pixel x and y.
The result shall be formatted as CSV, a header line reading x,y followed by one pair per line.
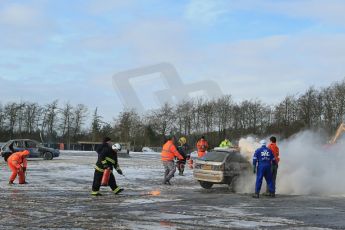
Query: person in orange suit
x,y
169,152
17,163
202,146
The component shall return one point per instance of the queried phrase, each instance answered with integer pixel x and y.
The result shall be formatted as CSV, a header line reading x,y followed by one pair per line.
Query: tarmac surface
x,y
58,197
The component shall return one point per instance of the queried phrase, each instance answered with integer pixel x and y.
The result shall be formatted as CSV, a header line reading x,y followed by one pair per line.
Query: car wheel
x,y
232,184
48,156
205,184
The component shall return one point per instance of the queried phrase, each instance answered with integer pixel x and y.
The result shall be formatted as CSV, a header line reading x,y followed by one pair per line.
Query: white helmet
x,y
263,142
116,147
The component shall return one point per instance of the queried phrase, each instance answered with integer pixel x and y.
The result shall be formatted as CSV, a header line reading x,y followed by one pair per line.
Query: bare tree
x,y
184,117
79,115
67,117
163,120
96,126
339,95
20,117
129,127
32,113
329,108
11,113
223,114
50,119
2,119
307,104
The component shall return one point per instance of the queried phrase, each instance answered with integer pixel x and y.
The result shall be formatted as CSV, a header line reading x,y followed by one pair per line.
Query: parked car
x,y
36,149
220,167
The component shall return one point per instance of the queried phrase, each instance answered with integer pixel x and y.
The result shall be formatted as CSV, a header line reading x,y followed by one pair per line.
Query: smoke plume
x,y
307,165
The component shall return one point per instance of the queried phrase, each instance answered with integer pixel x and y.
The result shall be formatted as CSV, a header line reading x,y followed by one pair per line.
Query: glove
x,y
119,171
254,170
24,169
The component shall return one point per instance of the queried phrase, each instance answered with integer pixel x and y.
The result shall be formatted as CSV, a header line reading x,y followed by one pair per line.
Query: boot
x,y
272,195
95,194
182,171
167,183
118,190
10,182
256,195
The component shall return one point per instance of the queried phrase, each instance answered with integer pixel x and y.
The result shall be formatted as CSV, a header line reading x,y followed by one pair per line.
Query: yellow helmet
x,y
182,140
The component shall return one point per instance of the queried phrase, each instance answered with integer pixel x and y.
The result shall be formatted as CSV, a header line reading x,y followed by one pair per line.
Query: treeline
x,y
219,118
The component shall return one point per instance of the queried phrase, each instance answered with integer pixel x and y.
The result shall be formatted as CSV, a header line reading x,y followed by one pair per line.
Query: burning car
x,y
220,166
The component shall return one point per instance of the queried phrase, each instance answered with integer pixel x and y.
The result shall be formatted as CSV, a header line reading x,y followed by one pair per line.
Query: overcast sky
x,y
253,49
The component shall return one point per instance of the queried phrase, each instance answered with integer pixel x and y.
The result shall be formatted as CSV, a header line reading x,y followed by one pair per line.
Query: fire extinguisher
x,y
21,176
106,176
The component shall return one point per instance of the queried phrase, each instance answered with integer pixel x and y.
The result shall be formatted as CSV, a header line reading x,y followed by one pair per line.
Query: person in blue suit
x,y
262,161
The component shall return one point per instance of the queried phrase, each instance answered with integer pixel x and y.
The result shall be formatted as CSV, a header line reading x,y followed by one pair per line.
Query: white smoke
x,y
307,165
246,182
248,146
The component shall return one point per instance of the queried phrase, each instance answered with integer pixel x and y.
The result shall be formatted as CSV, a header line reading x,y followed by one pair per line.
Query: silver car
x,y
220,167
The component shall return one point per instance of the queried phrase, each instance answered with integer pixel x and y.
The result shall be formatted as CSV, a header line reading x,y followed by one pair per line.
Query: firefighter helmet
x,y
116,147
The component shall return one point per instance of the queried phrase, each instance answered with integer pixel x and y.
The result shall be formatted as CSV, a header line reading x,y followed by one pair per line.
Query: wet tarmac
x,y
58,197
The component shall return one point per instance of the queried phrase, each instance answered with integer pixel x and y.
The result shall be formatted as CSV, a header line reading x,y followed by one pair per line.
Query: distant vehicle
x,y
37,150
220,167
147,149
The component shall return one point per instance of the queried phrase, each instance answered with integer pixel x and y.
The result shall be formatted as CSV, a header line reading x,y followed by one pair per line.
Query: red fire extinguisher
x,y
106,176
21,177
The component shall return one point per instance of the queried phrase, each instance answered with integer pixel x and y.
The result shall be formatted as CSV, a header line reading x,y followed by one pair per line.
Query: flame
x,y
155,193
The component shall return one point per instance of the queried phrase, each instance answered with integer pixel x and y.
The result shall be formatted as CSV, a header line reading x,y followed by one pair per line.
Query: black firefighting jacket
x,y
107,158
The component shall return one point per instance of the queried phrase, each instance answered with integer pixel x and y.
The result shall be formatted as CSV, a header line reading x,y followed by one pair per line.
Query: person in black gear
x,y
107,158
182,149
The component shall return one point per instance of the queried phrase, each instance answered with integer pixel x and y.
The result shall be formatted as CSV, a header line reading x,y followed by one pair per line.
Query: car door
x,y
18,145
32,147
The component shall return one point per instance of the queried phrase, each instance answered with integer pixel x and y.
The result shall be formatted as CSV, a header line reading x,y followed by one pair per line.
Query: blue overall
x,y
263,158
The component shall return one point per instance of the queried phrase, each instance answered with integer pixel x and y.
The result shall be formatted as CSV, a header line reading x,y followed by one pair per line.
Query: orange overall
x,y
17,163
202,147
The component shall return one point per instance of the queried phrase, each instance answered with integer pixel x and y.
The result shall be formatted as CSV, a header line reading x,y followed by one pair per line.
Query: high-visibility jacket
x,y
18,159
274,148
226,144
202,147
169,151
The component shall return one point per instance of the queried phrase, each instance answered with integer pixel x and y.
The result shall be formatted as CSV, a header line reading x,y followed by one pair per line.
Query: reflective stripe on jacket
x,y
107,158
169,151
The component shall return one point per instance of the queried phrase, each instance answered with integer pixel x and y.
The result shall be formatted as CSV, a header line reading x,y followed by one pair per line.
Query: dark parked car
x,y
36,149
220,167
